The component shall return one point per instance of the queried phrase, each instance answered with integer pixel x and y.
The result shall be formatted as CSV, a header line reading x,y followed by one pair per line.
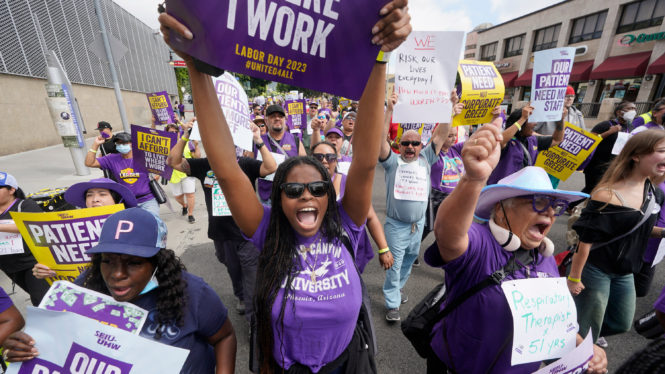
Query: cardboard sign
x,y
575,362
622,139
219,205
562,160
10,243
233,100
60,240
291,42
161,107
411,182
482,91
551,71
425,75
296,117
151,148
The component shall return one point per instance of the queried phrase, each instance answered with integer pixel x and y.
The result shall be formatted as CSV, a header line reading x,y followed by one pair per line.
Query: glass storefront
x,y
624,89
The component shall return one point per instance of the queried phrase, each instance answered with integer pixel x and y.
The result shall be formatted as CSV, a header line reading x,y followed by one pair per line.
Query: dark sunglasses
x,y
295,190
541,203
406,143
261,125
330,157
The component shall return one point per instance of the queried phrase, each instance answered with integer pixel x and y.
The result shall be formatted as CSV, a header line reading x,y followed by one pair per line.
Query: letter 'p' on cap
x,y
132,231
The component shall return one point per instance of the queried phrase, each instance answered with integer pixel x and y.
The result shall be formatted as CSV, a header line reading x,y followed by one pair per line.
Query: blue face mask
x,y
152,283
123,148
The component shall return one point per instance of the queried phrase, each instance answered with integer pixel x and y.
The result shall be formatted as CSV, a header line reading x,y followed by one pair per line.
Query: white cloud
x,y
506,10
433,15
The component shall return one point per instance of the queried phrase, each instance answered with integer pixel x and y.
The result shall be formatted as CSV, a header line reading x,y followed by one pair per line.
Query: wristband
x,y
574,280
519,127
185,139
384,250
383,57
92,150
258,146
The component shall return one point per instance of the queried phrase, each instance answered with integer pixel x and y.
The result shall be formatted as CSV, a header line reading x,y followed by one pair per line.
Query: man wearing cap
x,y
307,135
280,142
106,132
574,116
122,170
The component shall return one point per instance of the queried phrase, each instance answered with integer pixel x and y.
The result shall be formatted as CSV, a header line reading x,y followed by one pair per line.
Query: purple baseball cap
x,y
134,232
335,130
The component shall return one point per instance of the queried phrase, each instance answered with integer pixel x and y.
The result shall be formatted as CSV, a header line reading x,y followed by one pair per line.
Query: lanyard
x,y
9,207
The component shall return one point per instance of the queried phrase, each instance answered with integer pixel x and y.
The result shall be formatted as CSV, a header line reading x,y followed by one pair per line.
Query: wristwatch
x,y
258,146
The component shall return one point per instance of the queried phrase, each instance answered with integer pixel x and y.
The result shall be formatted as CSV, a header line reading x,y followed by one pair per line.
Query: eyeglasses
x,y
406,143
261,125
295,190
541,203
330,157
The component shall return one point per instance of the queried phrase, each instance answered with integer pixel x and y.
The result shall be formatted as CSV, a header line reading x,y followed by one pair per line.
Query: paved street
x,y
52,167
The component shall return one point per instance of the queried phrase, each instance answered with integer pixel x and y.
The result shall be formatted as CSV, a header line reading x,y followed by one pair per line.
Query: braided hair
x,y
170,293
276,261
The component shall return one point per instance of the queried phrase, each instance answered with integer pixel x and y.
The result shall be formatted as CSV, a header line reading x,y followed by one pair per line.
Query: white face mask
x,y
629,116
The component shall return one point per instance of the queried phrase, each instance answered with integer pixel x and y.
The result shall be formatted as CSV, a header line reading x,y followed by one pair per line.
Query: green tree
x,y
182,79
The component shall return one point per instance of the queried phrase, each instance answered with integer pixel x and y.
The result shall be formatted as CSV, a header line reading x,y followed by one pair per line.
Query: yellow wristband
x,y
185,139
574,280
92,150
384,250
519,127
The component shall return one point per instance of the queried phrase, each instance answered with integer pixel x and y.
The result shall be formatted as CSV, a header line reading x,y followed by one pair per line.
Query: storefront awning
x,y
581,71
524,79
632,65
658,66
509,78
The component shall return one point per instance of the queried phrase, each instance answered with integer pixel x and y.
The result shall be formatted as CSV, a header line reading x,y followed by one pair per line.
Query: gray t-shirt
x,y
406,210
574,117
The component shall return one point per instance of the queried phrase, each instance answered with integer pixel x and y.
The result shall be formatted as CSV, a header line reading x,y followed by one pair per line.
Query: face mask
x,y
123,148
629,116
152,283
105,135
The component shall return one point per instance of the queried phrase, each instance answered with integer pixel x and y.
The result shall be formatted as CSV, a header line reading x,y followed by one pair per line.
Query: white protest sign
x,y
86,346
411,182
551,71
575,362
233,100
660,253
425,74
279,158
220,207
10,243
343,167
622,138
195,135
544,318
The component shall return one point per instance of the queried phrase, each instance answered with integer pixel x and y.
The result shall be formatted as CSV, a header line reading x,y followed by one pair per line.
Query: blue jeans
x,y
151,206
404,246
607,303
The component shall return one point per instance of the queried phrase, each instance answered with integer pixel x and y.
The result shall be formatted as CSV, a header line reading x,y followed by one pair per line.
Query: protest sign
x,y
482,91
575,362
551,71
291,42
161,108
65,296
60,240
219,205
562,160
10,243
544,318
425,75
411,182
232,98
86,346
195,134
296,117
620,142
150,149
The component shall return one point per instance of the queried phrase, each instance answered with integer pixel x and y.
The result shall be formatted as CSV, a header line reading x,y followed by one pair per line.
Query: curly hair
x,y
276,261
171,298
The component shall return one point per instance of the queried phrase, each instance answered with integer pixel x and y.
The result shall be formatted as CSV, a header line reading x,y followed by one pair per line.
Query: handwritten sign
x,y
151,148
65,296
86,346
575,362
60,240
411,182
544,318
296,117
562,160
551,71
219,205
10,243
424,76
161,107
482,91
233,100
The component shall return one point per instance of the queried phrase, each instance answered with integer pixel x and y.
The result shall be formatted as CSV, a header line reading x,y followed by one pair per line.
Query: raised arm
x,y
91,156
317,125
175,159
557,136
387,116
269,165
517,126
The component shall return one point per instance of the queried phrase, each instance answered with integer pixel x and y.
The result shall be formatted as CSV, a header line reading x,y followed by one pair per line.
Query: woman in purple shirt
x,y
308,291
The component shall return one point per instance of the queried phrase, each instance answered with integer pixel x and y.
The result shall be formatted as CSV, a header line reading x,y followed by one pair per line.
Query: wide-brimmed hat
x,y
531,180
75,194
258,119
134,232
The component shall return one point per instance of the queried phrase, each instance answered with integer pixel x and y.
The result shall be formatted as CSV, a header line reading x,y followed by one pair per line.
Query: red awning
x,y
626,66
657,66
509,78
524,79
581,71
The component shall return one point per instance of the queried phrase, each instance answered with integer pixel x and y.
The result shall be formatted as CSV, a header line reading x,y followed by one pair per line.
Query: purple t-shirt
x,y
653,243
448,170
5,301
321,325
481,323
123,172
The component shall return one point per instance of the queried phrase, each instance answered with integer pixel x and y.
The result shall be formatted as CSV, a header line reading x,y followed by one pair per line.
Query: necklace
x,y
303,252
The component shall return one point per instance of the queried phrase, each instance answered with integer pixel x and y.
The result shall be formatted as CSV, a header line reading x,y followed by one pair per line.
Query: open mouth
x,y
661,167
307,216
119,291
409,153
539,230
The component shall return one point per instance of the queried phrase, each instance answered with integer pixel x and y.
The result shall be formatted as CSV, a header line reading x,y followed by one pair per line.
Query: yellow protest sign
x,y
482,91
60,240
562,160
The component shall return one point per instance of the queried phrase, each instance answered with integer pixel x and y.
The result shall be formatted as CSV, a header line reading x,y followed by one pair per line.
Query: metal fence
x,y
589,110
70,27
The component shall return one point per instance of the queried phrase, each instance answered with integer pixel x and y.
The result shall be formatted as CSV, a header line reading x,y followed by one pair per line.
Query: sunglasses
x,y
261,125
406,143
541,203
295,190
330,157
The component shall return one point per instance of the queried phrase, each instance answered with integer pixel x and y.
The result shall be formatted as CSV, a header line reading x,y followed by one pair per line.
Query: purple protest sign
x,y
150,148
296,117
161,107
298,43
551,71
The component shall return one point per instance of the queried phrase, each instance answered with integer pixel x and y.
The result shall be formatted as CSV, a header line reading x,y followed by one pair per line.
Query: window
x,y
641,14
488,52
514,46
470,46
546,38
588,27
469,55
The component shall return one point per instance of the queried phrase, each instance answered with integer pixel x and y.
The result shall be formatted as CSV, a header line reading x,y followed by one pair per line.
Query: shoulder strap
x,y
20,204
276,144
526,152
